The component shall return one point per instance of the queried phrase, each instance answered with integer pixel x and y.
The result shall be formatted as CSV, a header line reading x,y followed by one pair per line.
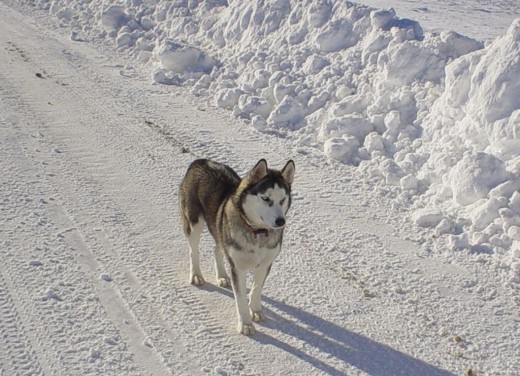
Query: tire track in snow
x,y
129,303
109,207
18,227
84,171
16,353
36,261
24,149
109,294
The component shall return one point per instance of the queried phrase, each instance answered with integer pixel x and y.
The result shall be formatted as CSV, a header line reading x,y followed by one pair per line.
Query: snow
x,y
390,112
112,18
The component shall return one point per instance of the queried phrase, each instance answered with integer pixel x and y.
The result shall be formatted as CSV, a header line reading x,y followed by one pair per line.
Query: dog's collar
x,y
257,231
254,230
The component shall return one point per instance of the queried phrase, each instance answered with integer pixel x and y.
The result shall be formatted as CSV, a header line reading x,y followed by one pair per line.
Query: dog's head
x,y
266,197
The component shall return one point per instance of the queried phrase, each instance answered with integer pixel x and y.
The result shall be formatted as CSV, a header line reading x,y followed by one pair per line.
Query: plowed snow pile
x,y
435,117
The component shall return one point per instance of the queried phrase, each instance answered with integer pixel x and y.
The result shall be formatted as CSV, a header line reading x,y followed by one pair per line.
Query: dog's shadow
x,y
345,346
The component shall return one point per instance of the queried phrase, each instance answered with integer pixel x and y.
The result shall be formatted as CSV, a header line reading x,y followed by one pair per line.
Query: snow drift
x,y
434,116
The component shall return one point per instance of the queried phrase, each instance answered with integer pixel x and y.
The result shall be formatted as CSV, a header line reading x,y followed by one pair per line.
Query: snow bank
x,y
435,115
471,146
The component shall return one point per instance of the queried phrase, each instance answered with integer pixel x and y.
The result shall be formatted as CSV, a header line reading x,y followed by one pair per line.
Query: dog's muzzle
x,y
280,222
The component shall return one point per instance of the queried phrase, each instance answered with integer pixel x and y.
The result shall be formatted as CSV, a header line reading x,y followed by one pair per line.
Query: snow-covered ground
x,y
481,19
403,251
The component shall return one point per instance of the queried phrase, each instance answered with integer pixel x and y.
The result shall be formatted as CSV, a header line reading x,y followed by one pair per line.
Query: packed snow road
x,y
94,274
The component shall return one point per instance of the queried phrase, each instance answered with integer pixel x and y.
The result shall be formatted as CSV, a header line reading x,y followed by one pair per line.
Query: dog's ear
x,y
288,172
258,172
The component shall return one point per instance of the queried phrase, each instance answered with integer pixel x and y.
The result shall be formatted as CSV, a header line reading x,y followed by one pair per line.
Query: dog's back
x,y
205,187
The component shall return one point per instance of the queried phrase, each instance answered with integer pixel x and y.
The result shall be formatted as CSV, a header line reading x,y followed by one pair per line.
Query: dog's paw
x,y
258,316
245,329
224,282
197,280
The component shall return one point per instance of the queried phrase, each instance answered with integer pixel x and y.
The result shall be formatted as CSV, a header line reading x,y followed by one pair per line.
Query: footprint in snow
x,y
51,294
35,263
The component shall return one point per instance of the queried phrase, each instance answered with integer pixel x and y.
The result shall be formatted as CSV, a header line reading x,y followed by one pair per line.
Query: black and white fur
x,y
246,217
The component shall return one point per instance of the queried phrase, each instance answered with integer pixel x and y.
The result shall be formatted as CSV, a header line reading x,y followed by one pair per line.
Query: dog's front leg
x,y
255,295
238,281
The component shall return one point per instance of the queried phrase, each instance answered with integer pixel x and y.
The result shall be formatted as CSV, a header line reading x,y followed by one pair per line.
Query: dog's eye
x,y
265,198
282,200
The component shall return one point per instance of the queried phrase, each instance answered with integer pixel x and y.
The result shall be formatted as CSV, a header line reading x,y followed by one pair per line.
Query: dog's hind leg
x,y
255,305
194,239
222,277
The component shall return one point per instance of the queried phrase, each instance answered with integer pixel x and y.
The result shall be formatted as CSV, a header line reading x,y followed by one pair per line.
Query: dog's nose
x,y
280,222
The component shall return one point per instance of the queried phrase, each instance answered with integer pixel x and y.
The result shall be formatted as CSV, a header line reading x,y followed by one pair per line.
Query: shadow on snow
x,y
326,337
361,352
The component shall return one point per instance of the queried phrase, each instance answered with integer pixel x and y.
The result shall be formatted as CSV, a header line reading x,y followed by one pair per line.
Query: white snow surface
x,y
434,114
403,255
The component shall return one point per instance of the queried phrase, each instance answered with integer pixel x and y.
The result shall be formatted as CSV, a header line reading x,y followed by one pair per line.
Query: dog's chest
x,y
252,256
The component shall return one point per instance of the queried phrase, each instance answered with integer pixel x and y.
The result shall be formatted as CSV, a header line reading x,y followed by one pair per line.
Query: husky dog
x,y
246,217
